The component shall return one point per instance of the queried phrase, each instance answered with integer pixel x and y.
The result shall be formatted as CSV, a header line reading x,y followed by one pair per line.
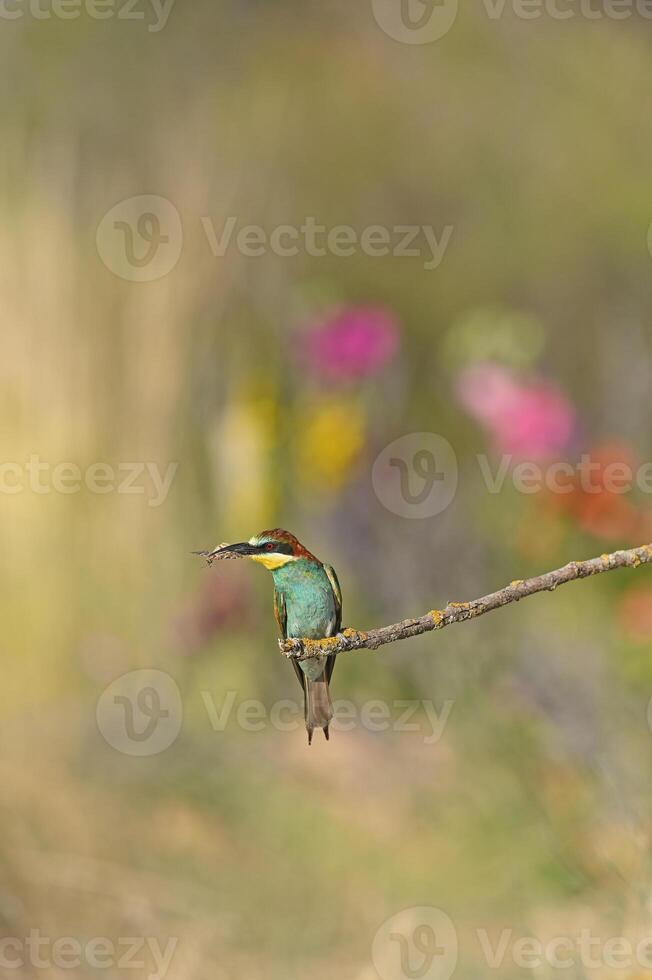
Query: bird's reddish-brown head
x,y
273,549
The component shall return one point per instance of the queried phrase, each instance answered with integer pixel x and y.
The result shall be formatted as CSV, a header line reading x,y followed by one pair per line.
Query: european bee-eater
x,y
307,603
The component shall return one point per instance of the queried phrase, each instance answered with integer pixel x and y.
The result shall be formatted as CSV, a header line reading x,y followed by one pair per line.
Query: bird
x,y
307,603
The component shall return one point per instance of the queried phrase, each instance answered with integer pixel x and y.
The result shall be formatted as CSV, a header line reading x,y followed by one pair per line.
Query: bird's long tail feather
x,y
318,706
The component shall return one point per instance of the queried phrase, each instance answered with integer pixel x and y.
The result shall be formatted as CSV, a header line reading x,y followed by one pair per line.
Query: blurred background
x,y
165,389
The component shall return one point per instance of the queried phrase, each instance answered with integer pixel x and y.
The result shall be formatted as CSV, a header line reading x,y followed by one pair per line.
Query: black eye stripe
x,y
280,547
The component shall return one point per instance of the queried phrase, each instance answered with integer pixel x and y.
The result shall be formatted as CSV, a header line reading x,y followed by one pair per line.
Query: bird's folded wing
x,y
337,593
280,613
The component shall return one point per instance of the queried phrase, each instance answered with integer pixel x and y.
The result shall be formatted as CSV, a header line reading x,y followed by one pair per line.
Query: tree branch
x,y
458,612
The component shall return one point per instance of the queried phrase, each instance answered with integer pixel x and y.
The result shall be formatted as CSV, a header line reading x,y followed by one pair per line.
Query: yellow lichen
x,y
324,642
355,634
516,583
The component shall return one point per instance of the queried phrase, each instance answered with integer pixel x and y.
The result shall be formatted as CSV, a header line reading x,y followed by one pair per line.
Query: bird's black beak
x,y
239,550
242,549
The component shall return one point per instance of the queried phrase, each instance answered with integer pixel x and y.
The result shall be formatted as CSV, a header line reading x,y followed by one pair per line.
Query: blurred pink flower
x,y
527,418
350,343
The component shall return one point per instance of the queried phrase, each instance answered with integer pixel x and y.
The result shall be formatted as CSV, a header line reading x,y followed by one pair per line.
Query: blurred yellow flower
x,y
242,444
329,445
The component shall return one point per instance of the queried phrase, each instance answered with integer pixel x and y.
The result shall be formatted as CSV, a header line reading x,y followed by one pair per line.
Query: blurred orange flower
x,y
596,499
635,613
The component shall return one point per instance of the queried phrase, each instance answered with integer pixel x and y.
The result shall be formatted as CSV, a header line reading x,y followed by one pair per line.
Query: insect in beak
x,y
226,551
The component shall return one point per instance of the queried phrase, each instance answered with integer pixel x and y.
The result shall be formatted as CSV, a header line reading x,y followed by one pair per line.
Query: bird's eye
x,y
269,546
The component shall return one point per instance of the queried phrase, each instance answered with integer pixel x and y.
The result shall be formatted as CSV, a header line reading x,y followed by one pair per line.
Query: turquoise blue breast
x,y
309,599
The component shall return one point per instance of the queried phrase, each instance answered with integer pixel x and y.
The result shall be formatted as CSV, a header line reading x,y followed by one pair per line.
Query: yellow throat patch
x,y
273,560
